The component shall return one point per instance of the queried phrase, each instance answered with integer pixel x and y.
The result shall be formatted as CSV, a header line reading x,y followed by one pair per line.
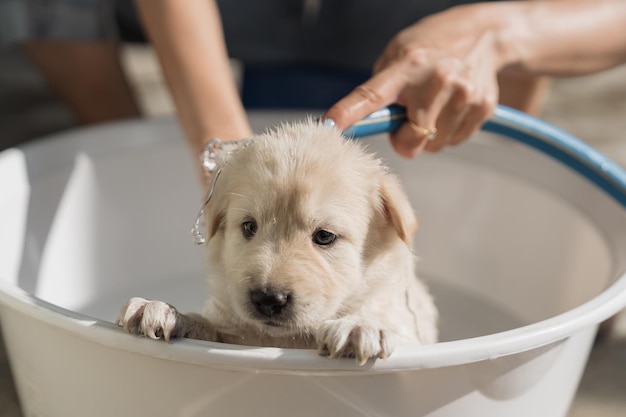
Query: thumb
x,y
379,91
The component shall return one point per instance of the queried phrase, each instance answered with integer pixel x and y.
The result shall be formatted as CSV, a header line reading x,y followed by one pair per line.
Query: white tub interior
x,y
506,238
524,255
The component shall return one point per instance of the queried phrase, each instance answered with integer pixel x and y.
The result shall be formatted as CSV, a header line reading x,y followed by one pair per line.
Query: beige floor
x,y
593,108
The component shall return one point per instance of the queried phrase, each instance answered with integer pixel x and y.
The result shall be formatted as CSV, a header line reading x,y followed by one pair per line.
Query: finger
x,y
483,103
452,115
476,116
425,125
423,112
406,143
426,107
380,90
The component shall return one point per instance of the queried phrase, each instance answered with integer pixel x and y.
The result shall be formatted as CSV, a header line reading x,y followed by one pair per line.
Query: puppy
x,y
309,246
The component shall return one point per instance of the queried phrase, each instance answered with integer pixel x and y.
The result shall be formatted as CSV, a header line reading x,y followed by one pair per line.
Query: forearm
x,y
559,38
188,38
78,71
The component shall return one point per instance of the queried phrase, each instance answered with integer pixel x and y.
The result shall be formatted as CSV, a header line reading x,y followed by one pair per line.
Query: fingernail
x,y
329,123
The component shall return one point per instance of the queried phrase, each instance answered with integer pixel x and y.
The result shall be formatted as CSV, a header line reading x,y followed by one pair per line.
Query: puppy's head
x,y
297,218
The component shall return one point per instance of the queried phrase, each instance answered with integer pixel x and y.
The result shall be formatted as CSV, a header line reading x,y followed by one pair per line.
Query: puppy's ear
x,y
215,221
396,208
215,214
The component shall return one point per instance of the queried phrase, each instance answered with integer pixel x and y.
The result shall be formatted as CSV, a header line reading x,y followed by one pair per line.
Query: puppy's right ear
x,y
215,221
397,209
214,213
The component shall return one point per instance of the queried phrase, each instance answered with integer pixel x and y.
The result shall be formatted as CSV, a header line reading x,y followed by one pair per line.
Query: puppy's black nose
x,y
269,303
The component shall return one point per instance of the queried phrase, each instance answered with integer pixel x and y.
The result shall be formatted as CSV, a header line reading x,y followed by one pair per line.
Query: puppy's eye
x,y
324,238
248,229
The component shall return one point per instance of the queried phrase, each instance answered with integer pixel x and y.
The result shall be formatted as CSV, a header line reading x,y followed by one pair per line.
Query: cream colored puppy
x,y
309,246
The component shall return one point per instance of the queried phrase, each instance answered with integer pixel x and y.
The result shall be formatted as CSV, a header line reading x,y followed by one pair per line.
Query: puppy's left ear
x,y
397,209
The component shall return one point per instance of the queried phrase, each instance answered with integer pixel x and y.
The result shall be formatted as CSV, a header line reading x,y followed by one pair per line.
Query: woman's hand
x,y
443,70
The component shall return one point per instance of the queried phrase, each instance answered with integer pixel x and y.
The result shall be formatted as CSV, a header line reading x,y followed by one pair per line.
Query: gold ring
x,y
429,134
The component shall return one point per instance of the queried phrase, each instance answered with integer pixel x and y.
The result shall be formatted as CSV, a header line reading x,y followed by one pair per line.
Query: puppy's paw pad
x,y
151,318
354,339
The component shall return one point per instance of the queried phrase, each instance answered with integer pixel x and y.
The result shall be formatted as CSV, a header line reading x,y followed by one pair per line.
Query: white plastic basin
x,y
524,249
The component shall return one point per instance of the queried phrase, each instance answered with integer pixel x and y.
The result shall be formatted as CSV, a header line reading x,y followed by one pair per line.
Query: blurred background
x,y
592,108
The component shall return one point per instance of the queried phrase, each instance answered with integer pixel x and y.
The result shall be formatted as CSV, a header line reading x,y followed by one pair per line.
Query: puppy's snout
x,y
269,303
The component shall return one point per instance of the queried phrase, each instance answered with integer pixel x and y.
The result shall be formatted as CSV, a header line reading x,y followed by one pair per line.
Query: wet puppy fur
x,y
309,246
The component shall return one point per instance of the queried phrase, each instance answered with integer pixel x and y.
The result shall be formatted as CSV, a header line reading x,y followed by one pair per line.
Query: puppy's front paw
x,y
151,318
351,337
